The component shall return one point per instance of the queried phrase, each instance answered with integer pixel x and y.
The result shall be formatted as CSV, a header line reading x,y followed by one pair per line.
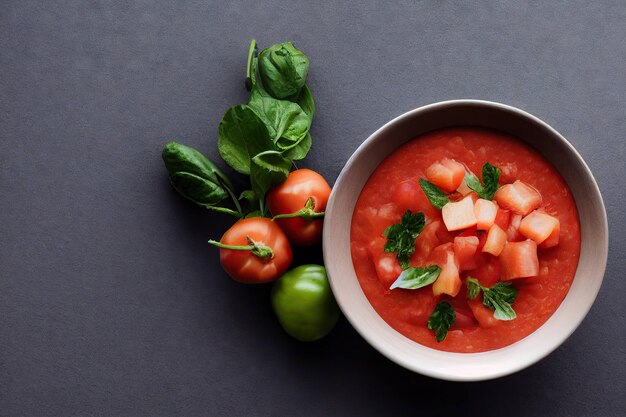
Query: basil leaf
x,y
473,183
306,102
473,288
441,319
266,170
194,176
301,149
253,61
283,69
414,278
286,122
401,237
491,176
435,195
241,136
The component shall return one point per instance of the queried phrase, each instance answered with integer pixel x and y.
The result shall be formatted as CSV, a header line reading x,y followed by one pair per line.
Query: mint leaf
x,y
498,298
414,278
434,194
491,176
441,319
401,237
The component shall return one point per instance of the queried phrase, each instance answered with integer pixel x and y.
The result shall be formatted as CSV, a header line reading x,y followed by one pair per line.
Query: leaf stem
x,y
238,215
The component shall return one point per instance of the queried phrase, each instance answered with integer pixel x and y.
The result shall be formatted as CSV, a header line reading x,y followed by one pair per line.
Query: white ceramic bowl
x,y
466,366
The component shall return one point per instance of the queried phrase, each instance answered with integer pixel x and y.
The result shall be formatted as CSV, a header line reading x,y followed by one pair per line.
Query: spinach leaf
x,y
435,195
283,69
194,176
286,122
299,151
498,298
441,319
306,102
414,278
401,237
241,136
491,176
266,170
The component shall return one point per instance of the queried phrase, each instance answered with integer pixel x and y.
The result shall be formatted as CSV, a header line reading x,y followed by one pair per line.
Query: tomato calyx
x,y
258,249
307,212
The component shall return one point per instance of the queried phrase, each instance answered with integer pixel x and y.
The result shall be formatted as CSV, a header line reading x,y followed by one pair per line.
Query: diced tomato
x,y
512,233
553,239
538,226
518,197
446,174
482,313
463,189
503,217
496,239
469,232
486,212
459,215
426,241
519,260
464,320
465,249
376,247
449,281
408,195
387,268
487,274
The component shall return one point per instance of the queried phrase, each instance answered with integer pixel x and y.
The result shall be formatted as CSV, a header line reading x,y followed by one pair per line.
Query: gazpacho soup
x,y
465,240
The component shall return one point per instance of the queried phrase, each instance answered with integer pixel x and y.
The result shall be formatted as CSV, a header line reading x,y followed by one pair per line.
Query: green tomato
x,y
304,303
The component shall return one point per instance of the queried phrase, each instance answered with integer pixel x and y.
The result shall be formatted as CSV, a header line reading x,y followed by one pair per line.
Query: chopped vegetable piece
x,y
519,260
518,197
414,278
512,233
387,268
441,319
449,281
408,195
463,189
459,215
433,235
486,212
465,250
434,194
401,236
496,240
446,174
503,218
553,239
538,226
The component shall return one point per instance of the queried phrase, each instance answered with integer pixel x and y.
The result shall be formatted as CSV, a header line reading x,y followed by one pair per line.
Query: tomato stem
x,y
257,248
307,212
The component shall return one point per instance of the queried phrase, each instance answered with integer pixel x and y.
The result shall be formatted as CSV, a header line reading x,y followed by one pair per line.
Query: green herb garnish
x,y
414,278
441,319
491,176
435,195
498,298
401,237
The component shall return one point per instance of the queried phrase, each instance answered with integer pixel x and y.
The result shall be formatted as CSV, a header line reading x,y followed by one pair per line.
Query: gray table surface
x,y
111,302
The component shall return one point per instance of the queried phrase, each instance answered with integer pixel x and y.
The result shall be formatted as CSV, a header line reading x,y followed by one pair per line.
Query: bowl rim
x,y
415,365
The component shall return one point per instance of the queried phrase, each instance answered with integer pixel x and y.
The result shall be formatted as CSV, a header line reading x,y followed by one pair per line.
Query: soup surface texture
x,y
394,187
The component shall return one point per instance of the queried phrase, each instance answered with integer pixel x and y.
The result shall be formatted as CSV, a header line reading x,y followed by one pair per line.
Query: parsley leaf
x,y
498,298
441,319
401,237
491,176
435,195
414,278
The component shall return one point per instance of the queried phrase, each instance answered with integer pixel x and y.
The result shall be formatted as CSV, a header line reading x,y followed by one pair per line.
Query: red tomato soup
x,y
394,188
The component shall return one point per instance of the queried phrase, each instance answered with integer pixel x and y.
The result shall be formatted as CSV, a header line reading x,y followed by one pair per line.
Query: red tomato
x,y
291,197
243,265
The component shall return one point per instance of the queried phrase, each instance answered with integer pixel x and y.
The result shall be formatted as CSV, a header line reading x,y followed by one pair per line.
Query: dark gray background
x,y
112,303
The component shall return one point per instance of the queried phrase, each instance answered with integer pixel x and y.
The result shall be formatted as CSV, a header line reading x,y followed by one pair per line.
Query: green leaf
x,y
441,319
434,194
241,136
306,102
194,176
491,176
286,122
252,65
266,170
498,298
473,288
401,237
283,70
414,278
301,149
